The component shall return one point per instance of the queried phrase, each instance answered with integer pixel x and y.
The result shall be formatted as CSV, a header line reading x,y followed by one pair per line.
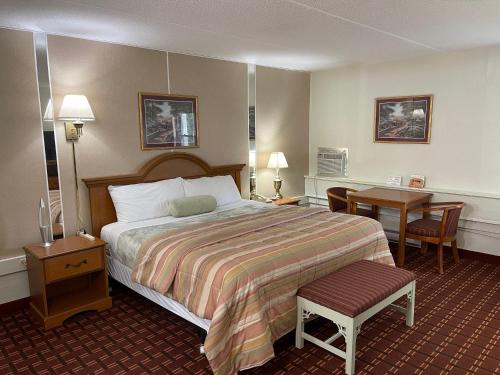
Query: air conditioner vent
x,y
332,162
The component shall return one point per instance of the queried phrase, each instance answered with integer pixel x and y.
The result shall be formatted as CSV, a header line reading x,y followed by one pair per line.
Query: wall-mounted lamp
x,y
75,109
277,160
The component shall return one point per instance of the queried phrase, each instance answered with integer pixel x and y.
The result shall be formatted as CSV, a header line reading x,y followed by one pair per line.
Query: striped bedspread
x,y
243,273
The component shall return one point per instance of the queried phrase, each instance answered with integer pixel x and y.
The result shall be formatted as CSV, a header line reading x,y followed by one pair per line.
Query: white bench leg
x,y
350,347
410,305
299,340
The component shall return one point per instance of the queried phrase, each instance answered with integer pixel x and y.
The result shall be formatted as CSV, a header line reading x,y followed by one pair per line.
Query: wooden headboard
x,y
169,165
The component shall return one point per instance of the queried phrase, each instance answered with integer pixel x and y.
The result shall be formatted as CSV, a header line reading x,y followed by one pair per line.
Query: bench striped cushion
x,y
356,287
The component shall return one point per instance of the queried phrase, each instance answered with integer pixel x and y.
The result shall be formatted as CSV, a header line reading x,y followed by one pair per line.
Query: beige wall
x,y
462,161
223,99
21,143
463,153
282,117
111,76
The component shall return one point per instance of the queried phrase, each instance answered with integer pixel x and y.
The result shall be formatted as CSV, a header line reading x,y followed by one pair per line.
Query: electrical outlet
x,y
71,133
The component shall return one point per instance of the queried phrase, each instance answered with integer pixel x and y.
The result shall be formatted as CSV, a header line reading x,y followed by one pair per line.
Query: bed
x,y
235,271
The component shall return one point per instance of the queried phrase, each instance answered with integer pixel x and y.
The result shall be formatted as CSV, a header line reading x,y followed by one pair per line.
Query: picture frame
x,y
168,121
403,119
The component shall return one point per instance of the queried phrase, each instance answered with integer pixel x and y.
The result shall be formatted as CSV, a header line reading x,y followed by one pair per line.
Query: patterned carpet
x,y
457,331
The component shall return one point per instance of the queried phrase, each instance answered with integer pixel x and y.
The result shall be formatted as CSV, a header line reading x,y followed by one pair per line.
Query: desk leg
x,y
353,209
402,237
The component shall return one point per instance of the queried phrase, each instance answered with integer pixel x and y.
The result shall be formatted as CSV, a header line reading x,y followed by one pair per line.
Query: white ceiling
x,y
294,34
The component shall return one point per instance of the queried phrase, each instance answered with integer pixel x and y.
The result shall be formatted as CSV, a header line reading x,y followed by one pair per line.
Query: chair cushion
x,y
356,287
424,227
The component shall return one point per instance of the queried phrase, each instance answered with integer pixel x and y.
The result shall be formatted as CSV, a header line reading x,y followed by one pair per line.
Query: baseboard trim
x,y
15,306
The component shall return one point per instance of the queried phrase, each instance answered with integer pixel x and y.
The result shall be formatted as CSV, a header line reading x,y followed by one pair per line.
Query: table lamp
x,y
277,160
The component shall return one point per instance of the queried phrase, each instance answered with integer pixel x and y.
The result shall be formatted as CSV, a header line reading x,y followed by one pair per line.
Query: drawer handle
x,y
76,265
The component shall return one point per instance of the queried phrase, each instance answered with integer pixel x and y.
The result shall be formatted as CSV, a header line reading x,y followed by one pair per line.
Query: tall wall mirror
x,y
251,131
49,137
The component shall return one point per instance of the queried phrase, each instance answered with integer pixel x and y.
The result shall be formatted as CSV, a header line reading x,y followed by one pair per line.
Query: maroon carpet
x,y
457,331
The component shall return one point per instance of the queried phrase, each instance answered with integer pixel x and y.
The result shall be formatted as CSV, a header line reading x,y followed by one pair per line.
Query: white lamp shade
x,y
76,108
277,160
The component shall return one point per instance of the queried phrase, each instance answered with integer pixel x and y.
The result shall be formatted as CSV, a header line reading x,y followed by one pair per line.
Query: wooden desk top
x,y
391,195
63,246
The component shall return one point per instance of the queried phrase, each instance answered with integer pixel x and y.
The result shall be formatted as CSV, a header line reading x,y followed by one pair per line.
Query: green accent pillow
x,y
187,206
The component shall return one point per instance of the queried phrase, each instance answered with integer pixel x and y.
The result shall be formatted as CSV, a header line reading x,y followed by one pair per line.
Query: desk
x,y
392,198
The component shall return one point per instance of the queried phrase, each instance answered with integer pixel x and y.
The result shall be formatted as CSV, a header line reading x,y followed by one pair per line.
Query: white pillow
x,y
222,188
145,201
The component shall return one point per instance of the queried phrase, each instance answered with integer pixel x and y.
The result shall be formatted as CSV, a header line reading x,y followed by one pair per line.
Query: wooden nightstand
x,y
67,278
287,200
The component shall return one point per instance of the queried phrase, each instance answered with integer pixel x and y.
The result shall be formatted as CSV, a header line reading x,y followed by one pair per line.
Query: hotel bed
x,y
235,271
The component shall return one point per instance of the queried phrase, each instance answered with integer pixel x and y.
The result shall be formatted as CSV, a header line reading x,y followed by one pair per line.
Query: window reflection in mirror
x,y
49,139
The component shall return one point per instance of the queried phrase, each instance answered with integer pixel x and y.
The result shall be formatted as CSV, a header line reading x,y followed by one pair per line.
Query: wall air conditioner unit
x,y
332,162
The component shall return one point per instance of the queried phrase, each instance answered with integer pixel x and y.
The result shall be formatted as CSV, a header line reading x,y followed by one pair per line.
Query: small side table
x,y
67,278
287,201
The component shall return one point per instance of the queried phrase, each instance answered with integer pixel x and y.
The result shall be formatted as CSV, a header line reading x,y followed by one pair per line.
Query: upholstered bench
x,y
348,297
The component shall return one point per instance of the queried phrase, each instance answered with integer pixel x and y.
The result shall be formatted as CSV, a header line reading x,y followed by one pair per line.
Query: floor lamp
x,y
75,111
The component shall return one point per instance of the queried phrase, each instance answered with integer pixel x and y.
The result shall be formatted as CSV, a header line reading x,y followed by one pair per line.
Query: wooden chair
x,y
429,230
337,200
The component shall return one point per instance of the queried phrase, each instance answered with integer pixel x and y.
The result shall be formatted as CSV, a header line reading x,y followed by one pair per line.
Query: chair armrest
x,y
446,205
426,209
431,204
334,196
438,206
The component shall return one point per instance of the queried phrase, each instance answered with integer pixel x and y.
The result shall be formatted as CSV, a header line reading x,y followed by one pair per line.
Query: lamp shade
x,y
277,160
76,108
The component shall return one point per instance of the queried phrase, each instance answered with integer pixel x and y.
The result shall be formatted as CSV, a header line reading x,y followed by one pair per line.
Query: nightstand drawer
x,y
61,267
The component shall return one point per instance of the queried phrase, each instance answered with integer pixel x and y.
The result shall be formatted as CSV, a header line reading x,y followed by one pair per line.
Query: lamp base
x,y
277,186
